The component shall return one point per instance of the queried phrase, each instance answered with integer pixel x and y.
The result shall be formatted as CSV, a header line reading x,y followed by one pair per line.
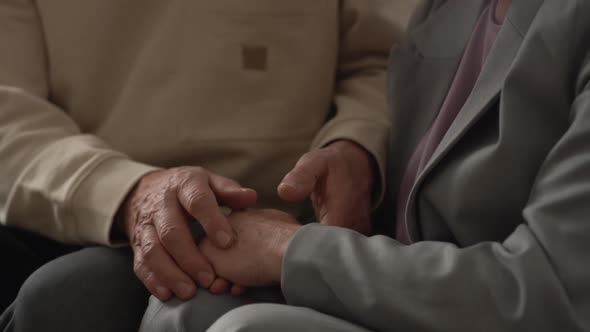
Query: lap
x,y
275,317
202,311
94,289
21,253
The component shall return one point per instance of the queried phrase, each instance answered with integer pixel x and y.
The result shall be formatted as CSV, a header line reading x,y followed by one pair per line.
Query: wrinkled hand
x,y
156,218
339,178
256,258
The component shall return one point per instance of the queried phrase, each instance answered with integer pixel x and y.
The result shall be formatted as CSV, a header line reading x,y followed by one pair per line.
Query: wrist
x,y
125,216
286,234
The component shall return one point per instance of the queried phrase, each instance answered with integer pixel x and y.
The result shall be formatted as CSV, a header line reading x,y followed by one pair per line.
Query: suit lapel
x,y
485,92
445,34
420,73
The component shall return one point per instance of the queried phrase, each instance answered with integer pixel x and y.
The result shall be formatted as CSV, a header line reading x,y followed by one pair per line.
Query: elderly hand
x,y
156,218
256,258
339,178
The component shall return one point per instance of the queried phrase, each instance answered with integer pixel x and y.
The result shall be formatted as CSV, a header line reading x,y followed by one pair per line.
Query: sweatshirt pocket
x,y
268,66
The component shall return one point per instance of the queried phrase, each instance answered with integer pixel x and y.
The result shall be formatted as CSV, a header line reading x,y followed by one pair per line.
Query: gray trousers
x,y
21,253
94,289
224,313
198,314
280,318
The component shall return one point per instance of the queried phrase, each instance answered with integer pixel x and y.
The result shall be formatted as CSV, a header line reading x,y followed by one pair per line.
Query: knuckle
x,y
182,170
190,171
167,232
149,278
179,175
145,216
199,169
149,249
196,199
149,199
189,177
138,268
136,237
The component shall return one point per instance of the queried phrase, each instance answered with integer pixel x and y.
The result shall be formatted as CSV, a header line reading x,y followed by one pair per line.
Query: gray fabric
x,y
502,211
202,311
21,253
280,318
90,290
472,61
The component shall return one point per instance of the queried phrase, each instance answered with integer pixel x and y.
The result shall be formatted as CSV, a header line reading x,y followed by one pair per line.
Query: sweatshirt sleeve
x,y
538,279
369,29
54,179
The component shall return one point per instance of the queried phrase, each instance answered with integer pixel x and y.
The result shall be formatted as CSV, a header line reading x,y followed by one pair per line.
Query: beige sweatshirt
x,y
95,93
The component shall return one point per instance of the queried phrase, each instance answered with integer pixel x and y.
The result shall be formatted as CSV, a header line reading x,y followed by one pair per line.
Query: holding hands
x,y
339,180
255,260
247,247
156,218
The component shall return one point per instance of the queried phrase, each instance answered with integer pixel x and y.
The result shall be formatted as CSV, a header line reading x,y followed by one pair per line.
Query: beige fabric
x,y
94,94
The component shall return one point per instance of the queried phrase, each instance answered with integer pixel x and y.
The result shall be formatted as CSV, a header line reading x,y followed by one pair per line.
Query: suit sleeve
x,y
54,179
538,279
368,31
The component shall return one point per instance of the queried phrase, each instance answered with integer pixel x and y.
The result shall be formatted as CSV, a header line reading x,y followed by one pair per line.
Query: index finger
x,y
174,233
197,198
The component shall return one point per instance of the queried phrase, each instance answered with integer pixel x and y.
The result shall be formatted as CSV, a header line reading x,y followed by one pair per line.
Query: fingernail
x,y
205,279
224,239
186,290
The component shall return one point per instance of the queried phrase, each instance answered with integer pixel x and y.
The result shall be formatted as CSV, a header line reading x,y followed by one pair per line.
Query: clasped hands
x,y
246,248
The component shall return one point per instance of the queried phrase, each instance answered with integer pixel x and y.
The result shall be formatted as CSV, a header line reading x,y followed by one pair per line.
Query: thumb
x,y
232,194
302,180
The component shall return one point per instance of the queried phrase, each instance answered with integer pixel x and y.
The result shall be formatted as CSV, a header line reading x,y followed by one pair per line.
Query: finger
x,y
232,194
157,269
301,181
175,235
199,201
220,286
238,290
153,285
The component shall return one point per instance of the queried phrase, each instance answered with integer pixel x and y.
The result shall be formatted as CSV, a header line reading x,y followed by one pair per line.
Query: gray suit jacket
x,y
501,214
